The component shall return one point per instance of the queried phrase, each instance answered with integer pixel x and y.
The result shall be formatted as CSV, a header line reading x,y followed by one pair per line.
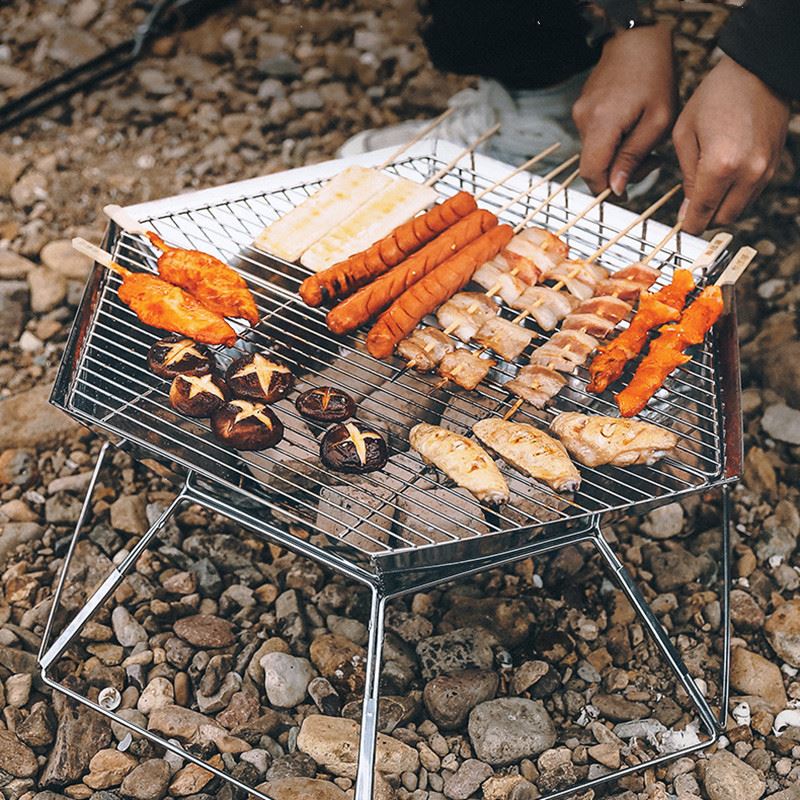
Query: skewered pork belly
x,y
545,240
465,368
606,306
533,244
638,273
547,306
594,441
530,451
466,311
576,346
462,460
495,273
507,339
592,324
536,384
579,279
426,347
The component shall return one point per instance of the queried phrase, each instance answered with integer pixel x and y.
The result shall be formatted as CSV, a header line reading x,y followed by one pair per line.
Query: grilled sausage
x,y
373,298
345,277
431,291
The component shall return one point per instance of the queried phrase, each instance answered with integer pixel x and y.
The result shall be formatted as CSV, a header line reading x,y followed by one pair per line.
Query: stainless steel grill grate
x,y
407,506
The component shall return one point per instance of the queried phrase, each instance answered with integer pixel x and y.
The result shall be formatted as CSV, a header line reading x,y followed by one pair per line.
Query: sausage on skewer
x,y
344,278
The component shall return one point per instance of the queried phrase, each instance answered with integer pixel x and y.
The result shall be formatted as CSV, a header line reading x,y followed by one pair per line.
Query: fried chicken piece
x,y
170,308
217,286
594,441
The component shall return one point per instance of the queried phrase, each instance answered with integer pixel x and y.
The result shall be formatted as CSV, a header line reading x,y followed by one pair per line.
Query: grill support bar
x,y
381,594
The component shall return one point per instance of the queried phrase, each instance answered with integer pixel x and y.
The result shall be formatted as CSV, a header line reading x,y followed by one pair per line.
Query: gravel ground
x,y
253,657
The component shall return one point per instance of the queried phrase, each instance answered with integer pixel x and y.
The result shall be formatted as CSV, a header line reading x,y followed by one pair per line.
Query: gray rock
x,y
450,698
129,514
466,780
148,781
62,509
461,649
72,46
126,629
27,419
13,309
783,631
728,778
286,679
638,729
779,533
61,257
156,82
509,729
47,289
294,765
782,423
664,522
618,709
280,67
675,568
16,533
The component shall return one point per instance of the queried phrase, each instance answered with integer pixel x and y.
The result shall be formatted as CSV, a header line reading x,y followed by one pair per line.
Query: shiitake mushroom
x,y
326,404
256,377
197,395
245,425
353,448
178,355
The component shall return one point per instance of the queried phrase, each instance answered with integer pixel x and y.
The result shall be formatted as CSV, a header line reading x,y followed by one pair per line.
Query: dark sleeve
x,y
764,37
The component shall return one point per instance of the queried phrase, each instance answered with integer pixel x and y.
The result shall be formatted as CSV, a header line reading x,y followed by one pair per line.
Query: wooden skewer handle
x,y
97,254
739,263
124,219
710,254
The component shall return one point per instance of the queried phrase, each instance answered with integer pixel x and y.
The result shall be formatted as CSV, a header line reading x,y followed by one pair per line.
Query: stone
x,y
18,467
16,758
47,289
752,674
339,660
301,789
73,46
155,82
538,678
618,709
293,765
148,781
728,778
192,779
664,522
675,568
205,630
218,700
782,372
127,630
466,780
14,534
510,621
11,167
286,679
18,690
745,612
108,767
509,787
157,694
61,257
782,630
782,423
29,190
779,532
13,309
465,648
450,698
194,728
509,729
36,730
80,734
606,754
129,514
27,419
62,509
333,743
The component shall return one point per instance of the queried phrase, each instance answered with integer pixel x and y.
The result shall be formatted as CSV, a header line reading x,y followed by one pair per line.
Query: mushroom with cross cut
x,y
246,426
326,404
178,355
256,377
197,395
353,448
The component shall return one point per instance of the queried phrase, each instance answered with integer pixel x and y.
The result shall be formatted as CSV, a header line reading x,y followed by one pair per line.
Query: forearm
x,y
763,36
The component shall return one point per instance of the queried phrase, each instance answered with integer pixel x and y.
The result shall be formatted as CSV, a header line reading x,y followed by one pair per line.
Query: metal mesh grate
x,y
407,505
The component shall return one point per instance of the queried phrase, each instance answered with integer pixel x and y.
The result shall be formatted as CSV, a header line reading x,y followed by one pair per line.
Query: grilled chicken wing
x,y
170,308
467,311
426,347
531,451
217,286
594,441
462,460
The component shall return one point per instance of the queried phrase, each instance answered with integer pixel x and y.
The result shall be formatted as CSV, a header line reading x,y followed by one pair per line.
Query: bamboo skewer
x,y
465,152
417,138
646,214
529,163
99,255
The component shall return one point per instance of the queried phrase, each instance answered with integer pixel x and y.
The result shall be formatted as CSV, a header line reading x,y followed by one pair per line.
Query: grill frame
x,y
101,317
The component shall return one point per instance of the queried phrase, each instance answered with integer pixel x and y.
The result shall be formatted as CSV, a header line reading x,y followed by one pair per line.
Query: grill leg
x,y
658,633
369,714
727,521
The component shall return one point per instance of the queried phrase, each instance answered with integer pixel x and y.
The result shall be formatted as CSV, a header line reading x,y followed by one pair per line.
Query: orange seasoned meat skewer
x,y
666,352
212,282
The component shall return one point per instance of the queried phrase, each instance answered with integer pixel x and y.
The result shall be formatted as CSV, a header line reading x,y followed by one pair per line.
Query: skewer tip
x,y
124,219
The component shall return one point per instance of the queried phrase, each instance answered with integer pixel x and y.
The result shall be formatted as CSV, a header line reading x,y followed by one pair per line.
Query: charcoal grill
x,y
377,538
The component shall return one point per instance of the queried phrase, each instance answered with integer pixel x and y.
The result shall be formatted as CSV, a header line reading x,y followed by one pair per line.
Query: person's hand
x,y
626,106
728,139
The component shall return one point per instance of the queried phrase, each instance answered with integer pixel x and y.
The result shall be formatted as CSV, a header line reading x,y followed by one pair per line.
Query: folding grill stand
x,y
383,589
401,574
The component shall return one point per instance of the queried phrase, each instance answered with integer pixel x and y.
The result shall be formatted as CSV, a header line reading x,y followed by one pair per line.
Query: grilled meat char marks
x,y
256,377
246,426
353,448
197,395
177,355
218,287
325,404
